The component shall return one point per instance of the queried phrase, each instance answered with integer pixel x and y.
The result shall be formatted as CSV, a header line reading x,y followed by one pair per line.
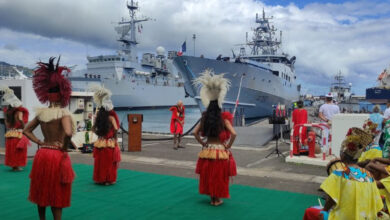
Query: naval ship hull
x,y
260,89
377,95
133,94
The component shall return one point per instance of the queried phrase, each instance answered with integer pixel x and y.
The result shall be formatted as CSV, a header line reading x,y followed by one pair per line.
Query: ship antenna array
x,y
129,27
263,40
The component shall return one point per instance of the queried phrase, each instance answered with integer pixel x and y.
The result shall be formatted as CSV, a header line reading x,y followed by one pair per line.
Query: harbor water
x,y
158,120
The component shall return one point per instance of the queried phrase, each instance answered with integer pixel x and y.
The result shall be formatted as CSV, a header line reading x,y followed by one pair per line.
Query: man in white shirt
x,y
326,113
386,115
328,109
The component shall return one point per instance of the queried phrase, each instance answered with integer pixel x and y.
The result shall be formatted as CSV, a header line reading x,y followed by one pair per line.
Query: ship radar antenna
x,y
127,29
263,41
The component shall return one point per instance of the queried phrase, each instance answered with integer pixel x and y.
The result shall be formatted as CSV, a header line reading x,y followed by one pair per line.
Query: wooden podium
x,y
135,132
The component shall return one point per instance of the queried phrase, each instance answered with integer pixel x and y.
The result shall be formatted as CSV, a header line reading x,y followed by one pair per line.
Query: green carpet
x,y
139,195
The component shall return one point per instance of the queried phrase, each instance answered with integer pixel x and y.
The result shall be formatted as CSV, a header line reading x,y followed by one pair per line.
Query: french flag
x,y
183,49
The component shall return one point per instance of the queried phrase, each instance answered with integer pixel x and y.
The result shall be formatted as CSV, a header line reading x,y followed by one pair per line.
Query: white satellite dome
x,y
160,51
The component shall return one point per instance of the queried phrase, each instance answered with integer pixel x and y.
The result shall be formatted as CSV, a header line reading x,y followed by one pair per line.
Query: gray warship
x,y
264,78
149,83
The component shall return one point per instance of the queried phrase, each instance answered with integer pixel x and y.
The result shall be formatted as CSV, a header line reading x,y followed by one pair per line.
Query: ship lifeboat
x,y
382,75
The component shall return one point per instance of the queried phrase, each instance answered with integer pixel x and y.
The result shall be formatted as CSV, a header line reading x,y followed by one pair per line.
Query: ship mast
x,y
264,41
127,30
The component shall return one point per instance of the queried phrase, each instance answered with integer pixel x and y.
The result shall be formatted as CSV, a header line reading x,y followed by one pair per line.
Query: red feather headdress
x,y
49,83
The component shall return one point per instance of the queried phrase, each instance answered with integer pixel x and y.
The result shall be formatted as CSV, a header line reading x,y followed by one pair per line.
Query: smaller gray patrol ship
x,y
264,78
150,83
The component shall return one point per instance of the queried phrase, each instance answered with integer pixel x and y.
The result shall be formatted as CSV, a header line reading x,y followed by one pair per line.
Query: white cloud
x,y
351,37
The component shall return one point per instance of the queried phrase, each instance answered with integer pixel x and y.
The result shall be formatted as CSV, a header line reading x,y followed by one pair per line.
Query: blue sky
x,y
325,36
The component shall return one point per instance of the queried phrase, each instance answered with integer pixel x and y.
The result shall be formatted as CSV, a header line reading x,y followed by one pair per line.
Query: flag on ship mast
x,y
183,49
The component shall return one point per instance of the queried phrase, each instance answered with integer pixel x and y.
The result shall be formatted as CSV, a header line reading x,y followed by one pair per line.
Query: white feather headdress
x,y
102,97
214,87
9,98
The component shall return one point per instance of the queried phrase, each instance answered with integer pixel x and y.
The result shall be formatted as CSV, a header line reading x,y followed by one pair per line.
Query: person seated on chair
x,y
351,192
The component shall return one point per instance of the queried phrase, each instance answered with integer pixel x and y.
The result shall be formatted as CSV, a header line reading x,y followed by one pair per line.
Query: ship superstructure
x,y
266,76
148,82
340,90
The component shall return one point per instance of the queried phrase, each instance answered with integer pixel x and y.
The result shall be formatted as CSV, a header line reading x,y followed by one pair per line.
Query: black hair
x,y
348,159
300,104
102,124
10,116
212,123
329,99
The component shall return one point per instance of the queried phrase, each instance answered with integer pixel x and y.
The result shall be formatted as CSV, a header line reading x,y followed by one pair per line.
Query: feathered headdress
x,y
102,97
9,98
214,87
49,83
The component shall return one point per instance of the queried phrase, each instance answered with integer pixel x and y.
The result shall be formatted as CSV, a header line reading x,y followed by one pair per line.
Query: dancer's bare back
x,y
55,132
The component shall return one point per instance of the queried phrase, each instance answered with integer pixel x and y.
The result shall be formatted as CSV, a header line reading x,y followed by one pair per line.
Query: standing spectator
x,y
299,116
177,123
386,115
377,117
327,111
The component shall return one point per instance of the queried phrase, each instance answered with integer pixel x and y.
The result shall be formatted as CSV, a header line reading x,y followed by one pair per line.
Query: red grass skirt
x,y
51,178
16,151
106,164
214,176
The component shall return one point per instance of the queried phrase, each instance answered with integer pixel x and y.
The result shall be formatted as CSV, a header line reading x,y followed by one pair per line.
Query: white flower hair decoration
x,y
102,97
213,87
9,98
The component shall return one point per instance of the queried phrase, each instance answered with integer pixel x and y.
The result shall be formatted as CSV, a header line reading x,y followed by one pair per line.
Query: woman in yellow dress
x,y
351,192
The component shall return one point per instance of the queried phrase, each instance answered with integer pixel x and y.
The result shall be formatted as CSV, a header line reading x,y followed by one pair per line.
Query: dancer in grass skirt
x,y
106,151
215,163
51,174
16,117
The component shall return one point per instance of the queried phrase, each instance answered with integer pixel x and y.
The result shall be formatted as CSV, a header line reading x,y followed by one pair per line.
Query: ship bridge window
x,y
276,73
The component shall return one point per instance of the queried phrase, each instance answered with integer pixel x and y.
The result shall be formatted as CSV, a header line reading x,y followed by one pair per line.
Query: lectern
x,y
135,132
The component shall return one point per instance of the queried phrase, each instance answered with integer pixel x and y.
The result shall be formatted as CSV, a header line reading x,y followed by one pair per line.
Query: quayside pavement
x,y
253,168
